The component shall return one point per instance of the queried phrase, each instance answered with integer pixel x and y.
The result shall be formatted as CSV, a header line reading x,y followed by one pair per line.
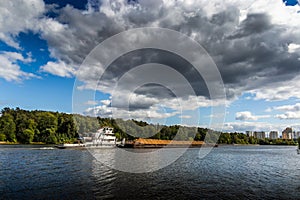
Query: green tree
x,y
2,137
8,127
49,136
27,136
46,124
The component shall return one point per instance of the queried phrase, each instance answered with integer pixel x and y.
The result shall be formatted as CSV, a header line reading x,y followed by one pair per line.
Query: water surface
x,y
228,172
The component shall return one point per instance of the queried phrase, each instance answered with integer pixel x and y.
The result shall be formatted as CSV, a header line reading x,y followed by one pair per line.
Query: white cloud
x,y
142,105
106,102
185,116
265,49
258,74
58,68
278,91
254,126
268,109
295,107
289,115
91,103
280,14
290,111
73,34
10,69
246,115
145,114
293,48
18,16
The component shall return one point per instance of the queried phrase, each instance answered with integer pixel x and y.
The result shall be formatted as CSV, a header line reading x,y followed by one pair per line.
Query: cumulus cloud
x,y
106,102
278,90
256,126
293,48
290,111
91,103
58,68
10,69
295,107
256,48
19,16
250,43
246,115
153,112
253,126
253,24
289,115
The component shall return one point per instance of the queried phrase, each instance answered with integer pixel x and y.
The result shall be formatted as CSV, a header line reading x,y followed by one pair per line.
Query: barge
x,y
155,143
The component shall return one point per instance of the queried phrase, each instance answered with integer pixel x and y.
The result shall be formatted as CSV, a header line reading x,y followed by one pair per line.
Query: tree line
x,y
22,126
176,132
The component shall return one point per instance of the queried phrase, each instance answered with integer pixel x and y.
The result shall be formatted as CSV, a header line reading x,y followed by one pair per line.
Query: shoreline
x,y
247,145
140,147
17,143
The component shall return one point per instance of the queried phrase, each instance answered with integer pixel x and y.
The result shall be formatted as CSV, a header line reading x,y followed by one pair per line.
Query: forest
x,y
26,127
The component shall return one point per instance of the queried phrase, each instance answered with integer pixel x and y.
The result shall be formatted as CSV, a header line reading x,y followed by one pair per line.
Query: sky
x,y
234,65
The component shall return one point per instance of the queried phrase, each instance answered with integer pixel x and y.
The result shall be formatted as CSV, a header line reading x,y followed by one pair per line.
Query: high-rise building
x,y
273,135
250,133
287,133
296,135
260,134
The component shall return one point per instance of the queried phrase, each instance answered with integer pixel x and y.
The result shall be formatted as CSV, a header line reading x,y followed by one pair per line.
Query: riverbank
x,y
131,144
240,145
17,143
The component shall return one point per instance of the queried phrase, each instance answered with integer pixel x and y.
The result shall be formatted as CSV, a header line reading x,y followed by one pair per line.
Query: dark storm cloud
x,y
155,90
259,56
133,59
249,54
146,13
81,33
225,17
253,24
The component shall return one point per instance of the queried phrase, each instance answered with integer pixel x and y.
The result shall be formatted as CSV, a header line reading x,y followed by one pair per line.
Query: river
x,y
227,172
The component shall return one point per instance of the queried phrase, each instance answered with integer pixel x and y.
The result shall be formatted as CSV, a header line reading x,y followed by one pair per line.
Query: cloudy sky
x,y
54,56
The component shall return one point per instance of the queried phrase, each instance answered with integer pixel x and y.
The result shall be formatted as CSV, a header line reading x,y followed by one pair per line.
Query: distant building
x,y
259,134
296,135
250,133
273,135
256,134
287,133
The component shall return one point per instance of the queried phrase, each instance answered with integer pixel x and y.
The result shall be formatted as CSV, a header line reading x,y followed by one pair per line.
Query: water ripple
x,y
268,172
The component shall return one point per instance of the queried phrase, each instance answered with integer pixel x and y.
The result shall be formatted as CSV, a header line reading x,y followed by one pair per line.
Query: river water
x,y
227,172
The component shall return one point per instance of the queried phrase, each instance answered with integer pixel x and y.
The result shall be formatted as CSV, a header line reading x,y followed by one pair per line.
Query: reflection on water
x,y
228,172
137,160
38,174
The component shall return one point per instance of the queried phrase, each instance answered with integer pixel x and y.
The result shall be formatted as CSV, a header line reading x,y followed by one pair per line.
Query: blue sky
x,y
254,44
